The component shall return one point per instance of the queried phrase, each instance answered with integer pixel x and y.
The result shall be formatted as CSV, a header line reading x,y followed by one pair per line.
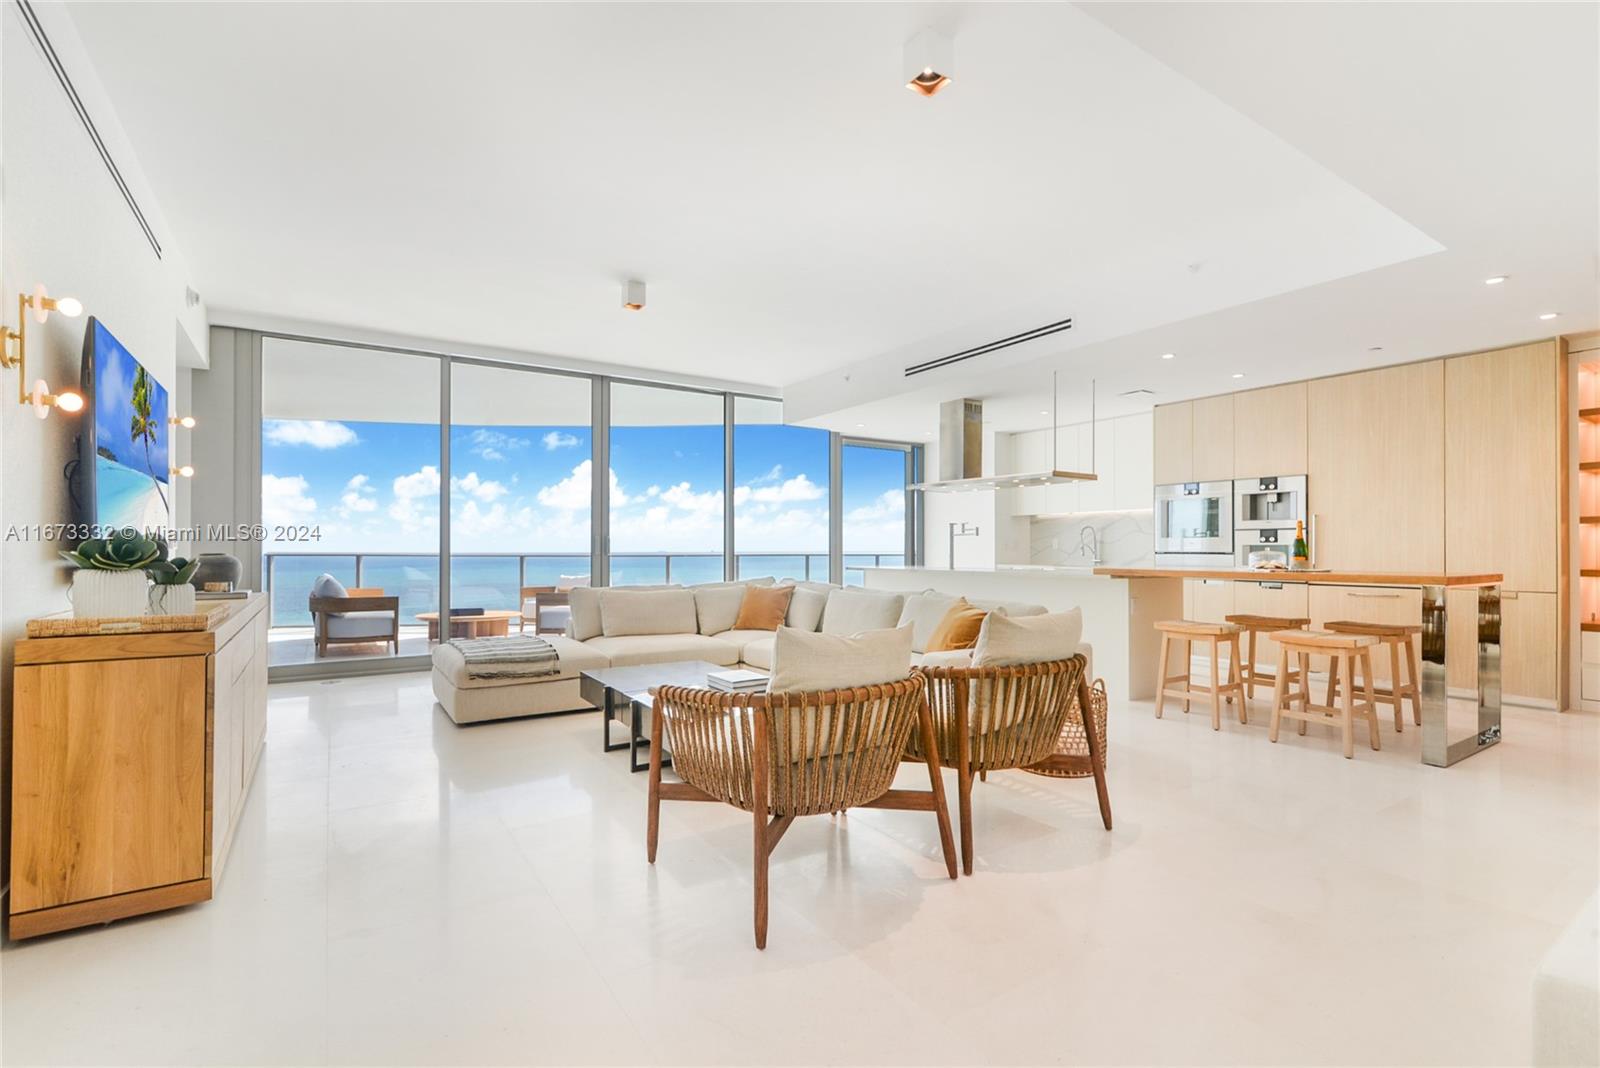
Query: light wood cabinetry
x,y
1213,439
1370,604
1208,600
1530,637
1173,436
1376,468
132,753
1502,434
1269,431
1285,600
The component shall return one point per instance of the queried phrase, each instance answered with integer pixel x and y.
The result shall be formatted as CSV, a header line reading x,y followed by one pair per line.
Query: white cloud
x,y
798,488
558,440
317,433
494,444
359,496
684,496
284,499
573,493
484,489
412,493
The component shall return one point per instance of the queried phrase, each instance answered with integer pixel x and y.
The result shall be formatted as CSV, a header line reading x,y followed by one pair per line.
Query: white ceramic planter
x,y
172,600
109,594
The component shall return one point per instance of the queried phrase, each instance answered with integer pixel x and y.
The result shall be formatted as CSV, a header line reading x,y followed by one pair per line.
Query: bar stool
x,y
1348,650
1254,625
1212,634
1397,637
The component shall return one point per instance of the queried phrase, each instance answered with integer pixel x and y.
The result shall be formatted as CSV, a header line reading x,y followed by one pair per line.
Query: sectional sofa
x,y
627,625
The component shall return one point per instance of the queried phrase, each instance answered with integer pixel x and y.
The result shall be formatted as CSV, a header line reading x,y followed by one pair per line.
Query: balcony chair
x,y
782,755
359,615
548,607
991,718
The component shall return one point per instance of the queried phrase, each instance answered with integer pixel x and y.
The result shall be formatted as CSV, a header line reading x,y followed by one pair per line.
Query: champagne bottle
x,y
1302,555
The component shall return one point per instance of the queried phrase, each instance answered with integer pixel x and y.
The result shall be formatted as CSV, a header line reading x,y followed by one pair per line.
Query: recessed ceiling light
x,y
633,295
1375,348
1238,374
1169,355
1549,315
860,425
1044,413
1496,280
929,62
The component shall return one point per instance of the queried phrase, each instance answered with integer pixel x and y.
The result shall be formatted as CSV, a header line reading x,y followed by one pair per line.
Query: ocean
x,y
492,581
125,497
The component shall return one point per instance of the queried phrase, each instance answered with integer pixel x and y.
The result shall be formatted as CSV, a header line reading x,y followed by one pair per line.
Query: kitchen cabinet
x,y
1502,439
1213,439
1096,451
1132,457
1173,442
1375,461
1285,600
1269,431
1530,637
1208,600
1369,604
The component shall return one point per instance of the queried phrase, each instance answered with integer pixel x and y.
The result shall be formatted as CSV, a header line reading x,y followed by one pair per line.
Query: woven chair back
x,y
1014,714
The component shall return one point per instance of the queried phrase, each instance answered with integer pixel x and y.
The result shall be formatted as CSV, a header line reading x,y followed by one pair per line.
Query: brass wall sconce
x,y
16,355
185,421
183,472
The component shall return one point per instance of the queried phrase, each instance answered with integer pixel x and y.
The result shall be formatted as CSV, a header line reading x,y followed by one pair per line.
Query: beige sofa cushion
x,y
584,601
745,638
943,658
717,603
1008,640
571,657
805,607
624,650
853,611
808,663
626,611
757,652
923,612
1010,608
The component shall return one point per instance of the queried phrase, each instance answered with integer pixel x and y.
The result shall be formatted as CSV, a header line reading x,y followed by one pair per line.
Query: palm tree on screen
x,y
143,426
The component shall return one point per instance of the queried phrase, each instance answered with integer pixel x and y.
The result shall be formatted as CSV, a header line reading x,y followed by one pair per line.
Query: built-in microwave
x,y
1195,518
1270,503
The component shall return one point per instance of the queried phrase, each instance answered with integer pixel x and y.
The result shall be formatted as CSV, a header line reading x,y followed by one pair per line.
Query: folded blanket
x,y
509,657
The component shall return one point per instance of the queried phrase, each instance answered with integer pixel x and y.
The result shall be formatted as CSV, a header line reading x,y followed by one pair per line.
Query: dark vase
x,y
217,567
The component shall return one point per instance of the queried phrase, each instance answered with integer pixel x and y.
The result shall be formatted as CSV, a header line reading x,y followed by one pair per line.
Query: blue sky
x,y
113,408
374,487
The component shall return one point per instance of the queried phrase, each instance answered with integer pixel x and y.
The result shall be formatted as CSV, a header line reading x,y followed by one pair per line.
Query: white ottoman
x,y
469,700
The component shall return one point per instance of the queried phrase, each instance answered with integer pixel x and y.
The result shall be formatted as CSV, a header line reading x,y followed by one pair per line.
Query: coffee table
x,y
492,623
625,691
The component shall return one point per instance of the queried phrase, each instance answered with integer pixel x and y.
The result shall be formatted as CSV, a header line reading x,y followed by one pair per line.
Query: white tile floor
x,y
406,891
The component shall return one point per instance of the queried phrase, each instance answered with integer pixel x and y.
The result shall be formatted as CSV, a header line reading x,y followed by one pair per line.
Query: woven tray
x,y
71,628
1071,759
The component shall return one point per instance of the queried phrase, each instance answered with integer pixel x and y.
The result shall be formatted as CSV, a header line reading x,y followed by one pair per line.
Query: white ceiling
x,y
1266,189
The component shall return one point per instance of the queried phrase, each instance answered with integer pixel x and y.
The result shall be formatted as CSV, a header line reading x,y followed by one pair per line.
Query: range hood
x,y
961,453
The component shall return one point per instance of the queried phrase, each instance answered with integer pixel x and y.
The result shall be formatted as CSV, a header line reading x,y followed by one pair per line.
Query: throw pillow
x,y
805,607
328,586
809,663
632,611
924,612
764,608
1005,640
585,622
717,605
958,629
853,611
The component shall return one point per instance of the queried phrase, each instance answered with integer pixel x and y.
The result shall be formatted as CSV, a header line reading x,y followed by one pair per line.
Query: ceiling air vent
x,y
992,346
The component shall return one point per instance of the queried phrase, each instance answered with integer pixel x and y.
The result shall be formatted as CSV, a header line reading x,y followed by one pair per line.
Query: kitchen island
x,y
1459,644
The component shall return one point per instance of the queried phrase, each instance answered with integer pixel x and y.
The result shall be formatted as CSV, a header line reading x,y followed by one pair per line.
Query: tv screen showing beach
x,y
130,439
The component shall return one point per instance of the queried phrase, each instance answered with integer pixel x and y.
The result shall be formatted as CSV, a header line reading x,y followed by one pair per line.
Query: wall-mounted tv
x,y
123,469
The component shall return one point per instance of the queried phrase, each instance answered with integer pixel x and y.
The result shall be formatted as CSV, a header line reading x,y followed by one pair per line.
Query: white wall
x,y
65,224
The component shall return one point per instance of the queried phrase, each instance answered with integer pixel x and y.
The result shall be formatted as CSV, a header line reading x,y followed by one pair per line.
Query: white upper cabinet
x,y
1120,457
1133,458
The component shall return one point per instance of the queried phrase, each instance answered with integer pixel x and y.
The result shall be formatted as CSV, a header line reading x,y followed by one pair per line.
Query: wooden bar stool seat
x,y
1187,632
1397,638
1348,651
1254,625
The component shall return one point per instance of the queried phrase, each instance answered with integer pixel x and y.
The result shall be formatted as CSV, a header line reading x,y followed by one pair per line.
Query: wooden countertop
x,y
226,619
1335,578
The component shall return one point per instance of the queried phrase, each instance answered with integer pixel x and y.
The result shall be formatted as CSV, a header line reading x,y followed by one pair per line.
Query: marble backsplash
x,y
1125,538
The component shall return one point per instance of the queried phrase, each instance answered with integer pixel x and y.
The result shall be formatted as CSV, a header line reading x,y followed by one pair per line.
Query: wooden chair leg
x,y
1216,689
1097,759
1349,706
1161,674
1188,670
1250,669
1280,686
964,778
758,777
1395,688
930,747
1234,679
653,820
1305,688
1372,704
1333,679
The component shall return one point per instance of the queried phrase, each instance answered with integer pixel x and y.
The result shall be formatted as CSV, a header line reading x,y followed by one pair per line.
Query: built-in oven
x,y
1269,503
1195,518
1254,548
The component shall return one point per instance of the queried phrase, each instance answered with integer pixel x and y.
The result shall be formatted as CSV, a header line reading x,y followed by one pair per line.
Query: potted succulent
x,y
170,592
110,580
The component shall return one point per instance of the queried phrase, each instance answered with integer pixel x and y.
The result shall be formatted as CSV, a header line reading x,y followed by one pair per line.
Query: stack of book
x,y
736,680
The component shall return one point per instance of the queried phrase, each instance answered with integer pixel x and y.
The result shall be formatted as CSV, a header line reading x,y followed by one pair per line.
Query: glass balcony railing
x,y
495,580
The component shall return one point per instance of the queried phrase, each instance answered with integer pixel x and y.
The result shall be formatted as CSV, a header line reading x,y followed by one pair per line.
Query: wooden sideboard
x,y
132,755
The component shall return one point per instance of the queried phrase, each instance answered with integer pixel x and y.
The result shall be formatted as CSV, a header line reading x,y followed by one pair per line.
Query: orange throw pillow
x,y
958,629
763,607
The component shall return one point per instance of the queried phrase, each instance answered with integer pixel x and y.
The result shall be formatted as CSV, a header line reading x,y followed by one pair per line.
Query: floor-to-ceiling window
x,y
876,519
780,495
521,450
666,485
350,488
